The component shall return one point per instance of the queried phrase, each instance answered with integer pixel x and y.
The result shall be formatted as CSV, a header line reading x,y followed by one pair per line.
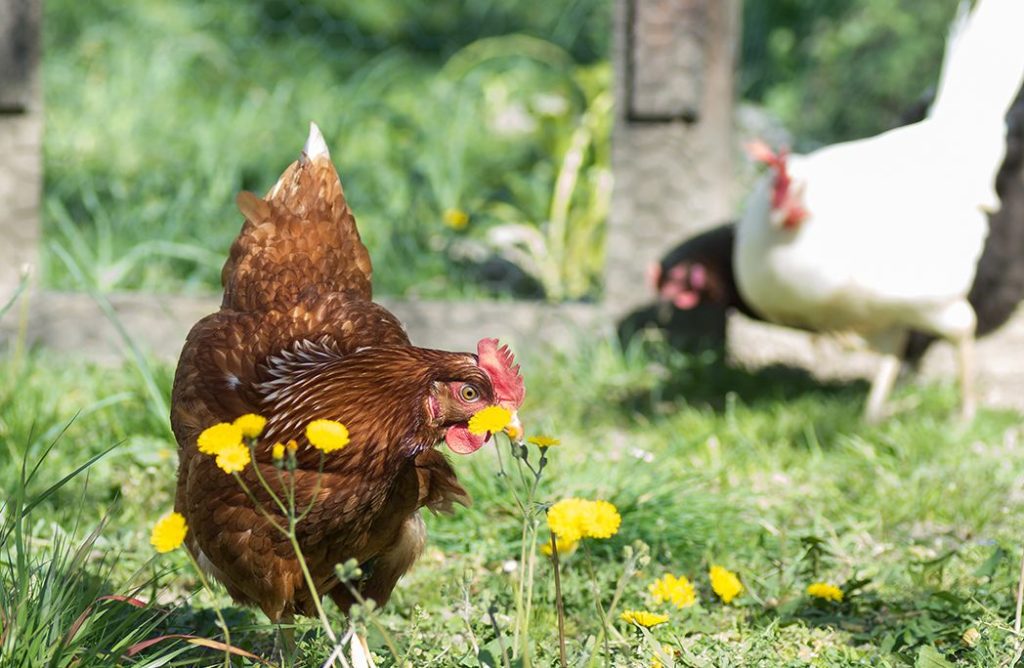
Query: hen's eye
x,y
469,393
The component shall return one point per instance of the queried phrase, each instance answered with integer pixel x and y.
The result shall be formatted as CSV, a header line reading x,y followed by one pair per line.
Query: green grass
x,y
158,113
769,474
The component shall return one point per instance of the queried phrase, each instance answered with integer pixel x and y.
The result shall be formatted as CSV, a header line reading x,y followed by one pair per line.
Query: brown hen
x,y
298,338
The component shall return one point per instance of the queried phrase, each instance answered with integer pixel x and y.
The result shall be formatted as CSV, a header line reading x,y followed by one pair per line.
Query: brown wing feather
x,y
225,357
299,242
439,486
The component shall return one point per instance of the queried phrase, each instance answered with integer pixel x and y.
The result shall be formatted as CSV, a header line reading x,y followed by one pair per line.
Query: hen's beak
x,y
515,428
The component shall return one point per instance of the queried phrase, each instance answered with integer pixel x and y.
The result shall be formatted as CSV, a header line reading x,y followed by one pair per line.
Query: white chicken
x,y
881,236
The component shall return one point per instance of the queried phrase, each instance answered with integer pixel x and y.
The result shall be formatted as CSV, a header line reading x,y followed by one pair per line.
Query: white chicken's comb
x,y
315,144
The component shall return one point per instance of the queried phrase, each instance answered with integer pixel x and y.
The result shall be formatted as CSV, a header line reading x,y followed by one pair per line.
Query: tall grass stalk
x,y
524,494
55,605
157,403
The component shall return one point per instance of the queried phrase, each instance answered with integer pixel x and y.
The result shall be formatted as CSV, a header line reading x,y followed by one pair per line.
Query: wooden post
x,y
672,142
21,126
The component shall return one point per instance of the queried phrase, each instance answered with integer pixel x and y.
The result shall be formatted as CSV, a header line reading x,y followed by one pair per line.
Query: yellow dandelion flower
x,y
219,436
168,533
278,451
233,459
725,583
826,591
603,520
566,519
251,424
491,419
292,446
457,219
573,519
544,441
515,432
327,435
565,547
643,618
678,591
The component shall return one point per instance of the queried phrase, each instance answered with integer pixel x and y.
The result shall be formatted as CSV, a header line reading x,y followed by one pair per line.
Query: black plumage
x,y
998,286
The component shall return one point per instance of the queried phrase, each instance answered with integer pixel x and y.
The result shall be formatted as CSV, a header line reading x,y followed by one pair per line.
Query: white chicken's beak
x,y
514,429
777,218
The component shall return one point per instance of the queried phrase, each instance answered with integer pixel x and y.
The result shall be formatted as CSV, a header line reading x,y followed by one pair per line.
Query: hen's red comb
x,y
500,365
759,151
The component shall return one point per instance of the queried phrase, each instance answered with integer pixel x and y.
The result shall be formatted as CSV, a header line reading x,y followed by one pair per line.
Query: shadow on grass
x,y
250,632
709,379
926,625
934,623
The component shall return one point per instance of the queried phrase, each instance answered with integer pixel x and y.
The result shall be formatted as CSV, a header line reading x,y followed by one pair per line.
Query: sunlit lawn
x,y
770,475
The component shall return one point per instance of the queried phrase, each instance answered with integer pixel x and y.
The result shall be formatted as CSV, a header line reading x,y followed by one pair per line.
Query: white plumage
x,y
882,235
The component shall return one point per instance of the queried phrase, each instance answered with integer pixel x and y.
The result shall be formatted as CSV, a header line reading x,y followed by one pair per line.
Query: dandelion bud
x,y
349,571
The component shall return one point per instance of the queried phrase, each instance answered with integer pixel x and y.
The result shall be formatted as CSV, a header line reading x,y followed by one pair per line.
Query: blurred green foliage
x,y
473,136
833,70
159,112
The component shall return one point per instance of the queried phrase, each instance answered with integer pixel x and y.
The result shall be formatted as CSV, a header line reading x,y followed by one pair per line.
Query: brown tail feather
x,y
297,243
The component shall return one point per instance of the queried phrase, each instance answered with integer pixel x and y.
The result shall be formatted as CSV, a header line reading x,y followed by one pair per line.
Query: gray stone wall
x,y
675,62
21,127
74,323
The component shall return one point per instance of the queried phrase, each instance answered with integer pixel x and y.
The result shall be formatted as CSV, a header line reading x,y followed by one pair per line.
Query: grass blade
x,y
63,481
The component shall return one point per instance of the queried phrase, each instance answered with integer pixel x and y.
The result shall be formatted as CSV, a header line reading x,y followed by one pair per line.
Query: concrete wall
x,y
675,63
21,133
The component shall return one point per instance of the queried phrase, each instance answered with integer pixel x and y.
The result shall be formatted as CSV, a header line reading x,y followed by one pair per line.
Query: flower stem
x,y
563,661
263,481
371,617
316,490
501,638
259,506
531,560
216,609
597,603
503,474
519,640
309,583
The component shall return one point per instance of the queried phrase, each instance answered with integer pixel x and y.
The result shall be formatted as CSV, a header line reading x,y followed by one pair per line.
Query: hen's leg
x,y
890,345
881,386
360,652
968,393
957,322
284,639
